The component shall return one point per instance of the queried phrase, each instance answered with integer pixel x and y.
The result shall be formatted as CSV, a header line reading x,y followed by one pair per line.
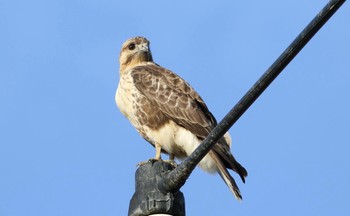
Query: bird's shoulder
x,y
154,78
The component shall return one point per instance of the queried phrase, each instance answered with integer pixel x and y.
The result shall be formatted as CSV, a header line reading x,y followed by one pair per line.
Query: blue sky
x,y
65,149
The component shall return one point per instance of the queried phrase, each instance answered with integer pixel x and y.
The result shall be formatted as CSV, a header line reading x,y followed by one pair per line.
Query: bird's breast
x,y
125,98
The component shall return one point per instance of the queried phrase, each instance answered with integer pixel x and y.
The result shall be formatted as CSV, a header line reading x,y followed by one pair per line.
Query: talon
x,y
153,160
141,163
171,162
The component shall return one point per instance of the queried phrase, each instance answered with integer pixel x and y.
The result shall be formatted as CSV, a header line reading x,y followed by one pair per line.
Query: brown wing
x,y
175,98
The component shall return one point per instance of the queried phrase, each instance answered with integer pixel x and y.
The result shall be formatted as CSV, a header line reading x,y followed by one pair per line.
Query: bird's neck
x,y
125,67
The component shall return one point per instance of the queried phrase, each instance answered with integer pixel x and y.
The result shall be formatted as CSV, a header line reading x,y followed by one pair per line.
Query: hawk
x,y
169,113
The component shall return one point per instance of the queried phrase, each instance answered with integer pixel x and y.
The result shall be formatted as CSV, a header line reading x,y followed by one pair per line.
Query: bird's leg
x,y
158,152
156,158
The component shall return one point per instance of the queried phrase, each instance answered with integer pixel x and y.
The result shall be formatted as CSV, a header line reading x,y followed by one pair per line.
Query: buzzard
x,y
169,113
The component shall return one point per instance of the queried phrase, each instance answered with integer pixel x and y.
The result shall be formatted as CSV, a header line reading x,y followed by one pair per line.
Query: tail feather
x,y
225,175
223,152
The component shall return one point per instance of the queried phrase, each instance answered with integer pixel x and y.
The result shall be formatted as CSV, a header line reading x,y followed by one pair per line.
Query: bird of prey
x,y
169,113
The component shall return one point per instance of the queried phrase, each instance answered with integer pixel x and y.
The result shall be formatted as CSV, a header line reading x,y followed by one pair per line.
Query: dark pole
x,y
158,184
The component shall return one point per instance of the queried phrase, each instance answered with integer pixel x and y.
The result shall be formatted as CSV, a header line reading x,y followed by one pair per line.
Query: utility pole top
x,y
149,197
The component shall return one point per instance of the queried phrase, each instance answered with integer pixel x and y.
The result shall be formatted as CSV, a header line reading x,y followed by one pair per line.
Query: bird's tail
x,y
225,175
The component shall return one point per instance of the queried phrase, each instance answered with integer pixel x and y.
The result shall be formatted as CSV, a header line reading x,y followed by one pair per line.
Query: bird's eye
x,y
131,46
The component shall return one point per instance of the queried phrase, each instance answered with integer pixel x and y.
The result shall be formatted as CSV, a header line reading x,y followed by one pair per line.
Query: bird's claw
x,y
171,162
153,160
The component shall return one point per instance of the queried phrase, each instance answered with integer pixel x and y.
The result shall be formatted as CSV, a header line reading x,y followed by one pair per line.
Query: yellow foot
x,y
172,162
151,160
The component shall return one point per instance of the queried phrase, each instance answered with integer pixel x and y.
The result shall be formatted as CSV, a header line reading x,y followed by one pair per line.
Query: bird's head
x,y
134,51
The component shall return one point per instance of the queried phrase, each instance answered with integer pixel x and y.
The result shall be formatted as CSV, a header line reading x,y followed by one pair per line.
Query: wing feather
x,y
175,98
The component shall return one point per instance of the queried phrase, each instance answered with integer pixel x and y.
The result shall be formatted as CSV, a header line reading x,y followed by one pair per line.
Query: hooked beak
x,y
144,47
